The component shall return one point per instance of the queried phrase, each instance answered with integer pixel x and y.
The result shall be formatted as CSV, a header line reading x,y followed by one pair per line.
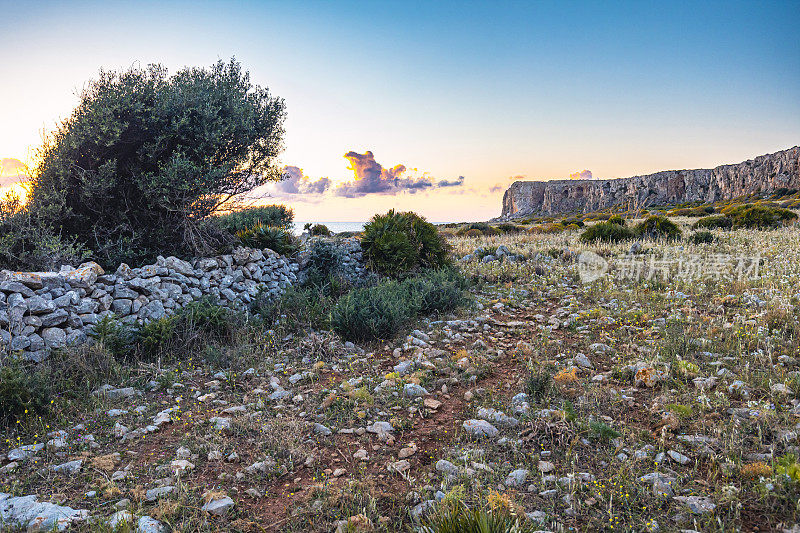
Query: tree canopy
x,y
146,157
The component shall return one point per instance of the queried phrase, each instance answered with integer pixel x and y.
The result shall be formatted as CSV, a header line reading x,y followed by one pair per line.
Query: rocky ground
x,y
650,405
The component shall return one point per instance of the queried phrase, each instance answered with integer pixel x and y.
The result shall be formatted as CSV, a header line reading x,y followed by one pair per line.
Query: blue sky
x,y
487,91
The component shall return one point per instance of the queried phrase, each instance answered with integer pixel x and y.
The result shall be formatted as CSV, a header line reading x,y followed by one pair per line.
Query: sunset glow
x,y
470,98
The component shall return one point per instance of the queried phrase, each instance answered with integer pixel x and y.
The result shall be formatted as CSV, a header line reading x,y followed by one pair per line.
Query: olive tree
x,y
146,157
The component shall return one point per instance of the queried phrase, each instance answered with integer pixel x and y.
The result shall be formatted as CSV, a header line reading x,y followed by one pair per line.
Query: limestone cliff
x,y
763,174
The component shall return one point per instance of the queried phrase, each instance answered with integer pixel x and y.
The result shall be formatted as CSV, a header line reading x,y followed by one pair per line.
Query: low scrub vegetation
x,y
276,216
398,243
380,311
658,227
261,236
607,232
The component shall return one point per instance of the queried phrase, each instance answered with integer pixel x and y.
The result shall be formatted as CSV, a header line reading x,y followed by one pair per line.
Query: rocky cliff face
x,y
763,174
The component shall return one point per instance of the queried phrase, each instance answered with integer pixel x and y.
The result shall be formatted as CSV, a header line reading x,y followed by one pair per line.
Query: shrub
x,y
538,384
196,324
276,239
320,230
606,232
508,227
297,308
323,269
28,243
396,243
436,291
277,216
702,237
603,431
379,312
655,227
23,392
114,336
717,221
475,229
762,217
146,157
616,219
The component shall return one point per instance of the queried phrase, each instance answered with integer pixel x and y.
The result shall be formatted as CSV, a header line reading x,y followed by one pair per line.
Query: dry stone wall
x,y
42,311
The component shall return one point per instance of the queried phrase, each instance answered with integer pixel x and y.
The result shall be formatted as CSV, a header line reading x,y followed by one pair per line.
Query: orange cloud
x,y
582,175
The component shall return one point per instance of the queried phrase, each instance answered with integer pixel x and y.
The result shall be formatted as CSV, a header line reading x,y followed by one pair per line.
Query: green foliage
x,y
276,239
156,337
196,324
277,216
702,237
23,392
603,431
655,227
717,221
538,384
606,232
789,466
476,229
616,219
457,518
146,157
570,415
298,308
28,243
116,337
320,230
507,227
379,312
324,268
397,243
761,217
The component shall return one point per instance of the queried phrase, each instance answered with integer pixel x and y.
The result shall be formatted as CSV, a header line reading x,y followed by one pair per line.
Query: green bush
x,y
145,158
702,237
197,324
397,243
24,392
324,268
277,216
318,230
616,219
507,227
475,229
276,239
114,336
297,308
655,227
28,243
538,384
762,217
717,221
606,232
379,312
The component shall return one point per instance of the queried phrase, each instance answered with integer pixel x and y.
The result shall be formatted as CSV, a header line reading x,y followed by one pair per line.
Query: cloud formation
x,y
582,175
369,177
294,182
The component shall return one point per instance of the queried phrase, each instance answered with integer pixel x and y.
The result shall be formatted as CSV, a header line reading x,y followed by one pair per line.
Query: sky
x,y
438,106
